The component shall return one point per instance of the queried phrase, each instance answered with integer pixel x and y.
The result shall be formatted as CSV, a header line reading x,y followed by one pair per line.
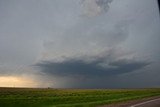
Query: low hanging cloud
x,y
92,67
95,7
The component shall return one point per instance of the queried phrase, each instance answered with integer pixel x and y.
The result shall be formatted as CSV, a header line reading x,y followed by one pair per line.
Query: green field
x,y
27,97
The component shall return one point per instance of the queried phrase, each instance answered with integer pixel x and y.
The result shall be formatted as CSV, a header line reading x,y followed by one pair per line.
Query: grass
x,y
28,97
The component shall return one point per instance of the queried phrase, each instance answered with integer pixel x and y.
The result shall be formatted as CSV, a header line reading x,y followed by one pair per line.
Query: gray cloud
x,y
98,67
95,7
87,38
104,4
62,36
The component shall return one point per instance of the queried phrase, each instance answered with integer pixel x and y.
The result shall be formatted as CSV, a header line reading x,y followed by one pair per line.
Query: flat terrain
x,y
32,97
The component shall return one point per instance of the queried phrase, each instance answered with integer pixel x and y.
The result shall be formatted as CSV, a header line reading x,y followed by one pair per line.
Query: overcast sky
x,y
80,43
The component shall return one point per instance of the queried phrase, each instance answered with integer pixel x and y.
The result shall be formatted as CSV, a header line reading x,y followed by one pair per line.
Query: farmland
x,y
43,97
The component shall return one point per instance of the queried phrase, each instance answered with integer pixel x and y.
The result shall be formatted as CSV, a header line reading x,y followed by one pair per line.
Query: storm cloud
x,y
103,66
81,43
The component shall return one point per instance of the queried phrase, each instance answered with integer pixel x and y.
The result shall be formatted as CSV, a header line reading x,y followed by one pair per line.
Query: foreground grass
x,y
26,97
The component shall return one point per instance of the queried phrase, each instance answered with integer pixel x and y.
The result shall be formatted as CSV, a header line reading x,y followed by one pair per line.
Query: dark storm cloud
x,y
97,67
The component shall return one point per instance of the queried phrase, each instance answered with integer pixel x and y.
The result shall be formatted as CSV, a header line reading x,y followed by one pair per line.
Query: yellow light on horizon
x,y
12,81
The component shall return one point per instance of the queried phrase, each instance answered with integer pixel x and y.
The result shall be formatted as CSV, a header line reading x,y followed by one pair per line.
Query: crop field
x,y
38,97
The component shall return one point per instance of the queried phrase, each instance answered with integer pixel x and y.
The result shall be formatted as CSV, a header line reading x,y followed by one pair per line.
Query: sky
x,y
79,43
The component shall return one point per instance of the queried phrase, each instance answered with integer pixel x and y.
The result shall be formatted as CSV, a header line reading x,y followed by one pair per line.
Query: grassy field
x,y
27,97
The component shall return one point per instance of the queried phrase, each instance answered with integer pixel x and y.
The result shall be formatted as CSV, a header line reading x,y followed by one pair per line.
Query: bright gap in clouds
x,y
12,81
